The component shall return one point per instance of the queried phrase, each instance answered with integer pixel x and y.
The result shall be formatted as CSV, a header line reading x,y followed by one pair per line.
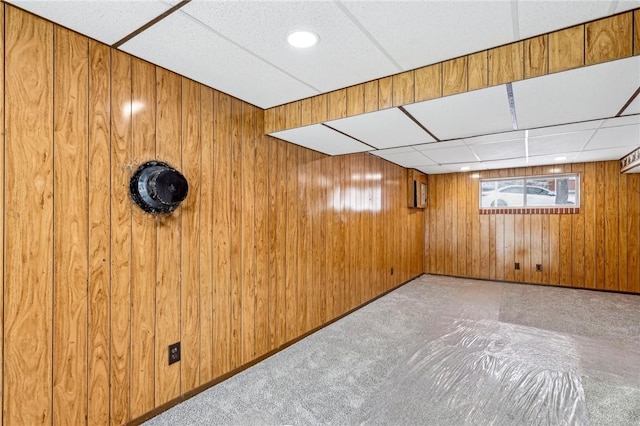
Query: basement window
x,y
555,192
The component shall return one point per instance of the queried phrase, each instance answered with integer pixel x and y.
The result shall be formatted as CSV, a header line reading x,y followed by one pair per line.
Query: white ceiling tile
x,y
498,137
459,154
536,17
466,114
343,57
612,137
550,160
432,170
383,129
559,143
322,139
588,93
623,5
624,120
463,167
500,150
603,154
393,150
214,61
565,128
633,107
107,21
407,159
412,32
505,164
439,145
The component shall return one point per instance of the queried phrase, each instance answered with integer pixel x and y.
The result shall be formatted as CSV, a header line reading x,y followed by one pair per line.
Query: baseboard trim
x,y
187,395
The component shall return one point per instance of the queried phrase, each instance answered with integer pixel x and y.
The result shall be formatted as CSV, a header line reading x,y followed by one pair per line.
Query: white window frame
x,y
524,192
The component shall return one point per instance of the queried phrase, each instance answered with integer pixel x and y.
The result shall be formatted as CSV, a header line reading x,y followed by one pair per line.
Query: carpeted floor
x,y
447,351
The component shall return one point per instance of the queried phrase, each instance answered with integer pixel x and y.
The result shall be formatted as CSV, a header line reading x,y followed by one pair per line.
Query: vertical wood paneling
x,y
566,49
120,238
428,82
588,206
319,108
636,32
275,310
609,39
612,173
190,236
454,76
355,100
144,243
305,112
385,93
304,250
29,191
263,269
222,233
236,233
337,104
293,114
207,185
403,88
2,208
70,227
99,232
506,64
248,295
169,268
592,248
536,56
371,96
478,73
291,278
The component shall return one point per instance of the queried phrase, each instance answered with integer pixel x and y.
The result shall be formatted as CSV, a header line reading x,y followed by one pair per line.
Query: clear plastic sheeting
x,y
486,373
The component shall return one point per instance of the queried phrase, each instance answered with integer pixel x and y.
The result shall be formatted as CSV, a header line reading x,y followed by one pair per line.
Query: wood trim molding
x,y
602,40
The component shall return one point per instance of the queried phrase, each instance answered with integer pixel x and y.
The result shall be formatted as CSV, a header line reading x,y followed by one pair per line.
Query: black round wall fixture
x,y
156,187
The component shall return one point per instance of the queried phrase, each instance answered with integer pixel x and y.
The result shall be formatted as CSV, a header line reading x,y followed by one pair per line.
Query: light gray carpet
x,y
447,351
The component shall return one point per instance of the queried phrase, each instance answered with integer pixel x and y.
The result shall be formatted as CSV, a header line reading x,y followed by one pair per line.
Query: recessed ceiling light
x,y
560,158
465,168
302,39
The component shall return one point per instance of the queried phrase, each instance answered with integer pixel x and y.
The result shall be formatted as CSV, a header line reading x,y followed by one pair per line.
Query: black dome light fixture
x,y
158,188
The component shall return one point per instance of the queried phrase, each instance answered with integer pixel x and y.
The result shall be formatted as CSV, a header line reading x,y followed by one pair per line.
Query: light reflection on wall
x,y
360,198
130,108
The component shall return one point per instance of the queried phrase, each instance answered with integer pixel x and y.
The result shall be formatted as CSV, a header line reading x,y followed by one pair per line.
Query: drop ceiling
x,y
239,47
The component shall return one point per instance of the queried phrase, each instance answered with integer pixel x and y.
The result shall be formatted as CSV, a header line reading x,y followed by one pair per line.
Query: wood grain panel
x,y
355,100
275,309
305,112
478,70
636,32
291,278
319,108
169,229
385,93
29,191
207,184
600,229
588,206
612,172
222,233
454,76
633,232
622,212
337,104
403,88
144,247
371,96
609,39
263,269
536,56
236,233
304,248
269,119
506,64
120,238
293,114
566,49
462,237
248,291
99,232
577,241
428,82
191,158
70,225
2,208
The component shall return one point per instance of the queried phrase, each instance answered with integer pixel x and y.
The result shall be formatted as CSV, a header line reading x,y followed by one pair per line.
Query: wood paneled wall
x,y
597,248
273,240
603,40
